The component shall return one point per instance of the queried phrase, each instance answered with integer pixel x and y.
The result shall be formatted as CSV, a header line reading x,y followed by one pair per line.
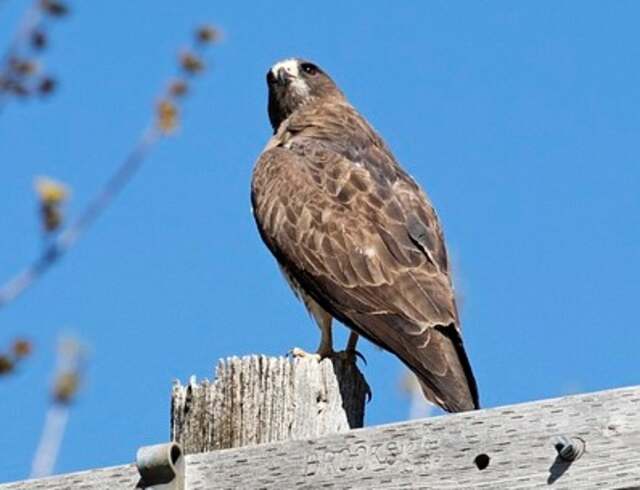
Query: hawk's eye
x,y
309,68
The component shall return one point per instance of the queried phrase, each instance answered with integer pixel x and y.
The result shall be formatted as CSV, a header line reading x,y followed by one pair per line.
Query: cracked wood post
x,y
259,399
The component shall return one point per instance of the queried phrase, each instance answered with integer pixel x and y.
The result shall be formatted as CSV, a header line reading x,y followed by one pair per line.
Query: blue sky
x,y
520,119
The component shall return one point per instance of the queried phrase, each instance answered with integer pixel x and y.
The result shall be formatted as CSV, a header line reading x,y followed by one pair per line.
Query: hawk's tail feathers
x,y
448,381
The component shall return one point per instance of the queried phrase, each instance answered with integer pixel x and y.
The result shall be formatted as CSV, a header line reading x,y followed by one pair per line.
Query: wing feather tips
x,y
455,390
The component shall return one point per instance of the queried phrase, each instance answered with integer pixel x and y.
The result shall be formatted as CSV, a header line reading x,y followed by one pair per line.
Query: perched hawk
x,y
355,236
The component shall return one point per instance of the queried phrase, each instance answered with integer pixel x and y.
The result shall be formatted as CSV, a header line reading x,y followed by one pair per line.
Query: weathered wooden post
x,y
258,399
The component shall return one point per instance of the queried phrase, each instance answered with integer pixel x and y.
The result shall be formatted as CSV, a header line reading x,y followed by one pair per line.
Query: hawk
x,y
355,236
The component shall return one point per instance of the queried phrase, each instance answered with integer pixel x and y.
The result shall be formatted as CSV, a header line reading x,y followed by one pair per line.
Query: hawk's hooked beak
x,y
283,76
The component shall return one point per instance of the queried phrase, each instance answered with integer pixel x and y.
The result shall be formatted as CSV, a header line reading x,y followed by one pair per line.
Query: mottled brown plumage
x,y
355,235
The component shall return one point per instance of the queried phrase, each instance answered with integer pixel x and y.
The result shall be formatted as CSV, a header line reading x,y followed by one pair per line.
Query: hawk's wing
x,y
368,248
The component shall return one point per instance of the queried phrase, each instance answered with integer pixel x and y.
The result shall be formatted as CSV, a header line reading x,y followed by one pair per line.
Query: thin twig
x,y
47,453
68,377
55,250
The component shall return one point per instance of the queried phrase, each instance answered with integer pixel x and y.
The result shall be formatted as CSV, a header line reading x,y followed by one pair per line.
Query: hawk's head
x,y
294,82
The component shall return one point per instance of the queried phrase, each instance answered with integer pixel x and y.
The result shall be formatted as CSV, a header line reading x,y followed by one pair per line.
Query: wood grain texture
x,y
436,453
258,399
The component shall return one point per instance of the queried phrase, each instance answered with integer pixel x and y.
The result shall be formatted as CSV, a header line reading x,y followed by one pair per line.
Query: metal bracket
x,y
161,467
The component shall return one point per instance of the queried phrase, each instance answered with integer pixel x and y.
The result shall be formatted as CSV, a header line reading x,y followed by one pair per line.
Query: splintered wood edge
x,y
258,399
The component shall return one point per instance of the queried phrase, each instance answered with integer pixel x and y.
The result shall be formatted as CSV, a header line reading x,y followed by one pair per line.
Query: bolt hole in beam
x,y
482,461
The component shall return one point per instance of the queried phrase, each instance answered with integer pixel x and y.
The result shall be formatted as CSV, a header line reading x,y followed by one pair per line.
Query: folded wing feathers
x,y
361,238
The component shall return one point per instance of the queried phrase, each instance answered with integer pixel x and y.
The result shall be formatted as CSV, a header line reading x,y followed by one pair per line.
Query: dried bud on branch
x,y
71,360
9,360
22,348
207,34
65,387
178,88
167,116
51,218
51,191
51,196
23,67
6,364
55,8
47,86
191,63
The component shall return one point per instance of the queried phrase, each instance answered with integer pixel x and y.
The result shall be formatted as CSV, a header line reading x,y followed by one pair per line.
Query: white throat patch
x,y
291,66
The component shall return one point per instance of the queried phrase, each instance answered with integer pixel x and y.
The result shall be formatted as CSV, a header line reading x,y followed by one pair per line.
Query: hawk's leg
x,y
350,350
325,349
323,319
351,343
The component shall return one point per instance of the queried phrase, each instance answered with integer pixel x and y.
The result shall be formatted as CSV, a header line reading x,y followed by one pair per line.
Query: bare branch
x,y
49,446
166,119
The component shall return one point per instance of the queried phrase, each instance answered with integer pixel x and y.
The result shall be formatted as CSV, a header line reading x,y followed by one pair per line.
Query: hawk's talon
x,y
325,353
358,354
349,355
369,393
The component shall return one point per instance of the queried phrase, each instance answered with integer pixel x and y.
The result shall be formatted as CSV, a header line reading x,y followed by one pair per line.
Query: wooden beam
x,y
257,399
439,452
